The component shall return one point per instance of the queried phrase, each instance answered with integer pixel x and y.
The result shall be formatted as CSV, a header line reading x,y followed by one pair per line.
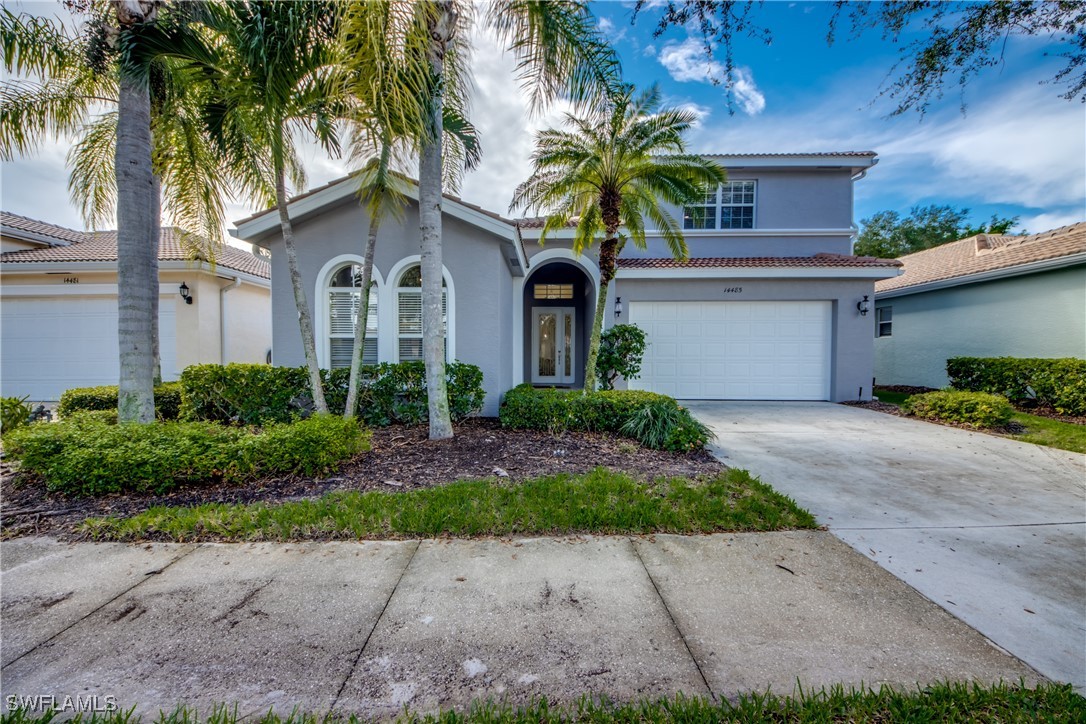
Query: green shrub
x,y
621,349
14,413
1056,383
81,399
979,409
655,420
248,394
255,394
87,455
666,426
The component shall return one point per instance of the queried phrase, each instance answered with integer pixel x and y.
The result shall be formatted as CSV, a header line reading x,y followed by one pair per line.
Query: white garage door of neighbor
x,y
51,344
735,350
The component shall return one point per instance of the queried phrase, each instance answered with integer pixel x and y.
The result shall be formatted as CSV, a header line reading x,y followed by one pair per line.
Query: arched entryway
x,y
559,300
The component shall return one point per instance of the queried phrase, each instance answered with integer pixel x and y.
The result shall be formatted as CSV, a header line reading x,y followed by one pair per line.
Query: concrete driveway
x,y
992,530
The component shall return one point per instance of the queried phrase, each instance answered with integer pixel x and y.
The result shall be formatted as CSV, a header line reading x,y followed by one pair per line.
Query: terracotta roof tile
x,y
12,224
102,246
818,260
983,253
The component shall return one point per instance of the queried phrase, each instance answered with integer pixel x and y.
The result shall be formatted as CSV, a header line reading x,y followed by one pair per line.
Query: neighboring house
x,y
766,308
985,296
58,308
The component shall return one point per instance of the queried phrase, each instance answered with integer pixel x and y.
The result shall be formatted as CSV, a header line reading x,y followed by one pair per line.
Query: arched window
x,y
409,314
344,299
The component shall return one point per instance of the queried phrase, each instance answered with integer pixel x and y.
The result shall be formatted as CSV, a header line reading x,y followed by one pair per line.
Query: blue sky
x,y
1019,149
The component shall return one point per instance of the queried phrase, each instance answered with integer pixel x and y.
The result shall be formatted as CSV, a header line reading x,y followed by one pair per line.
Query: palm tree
x,y
611,171
80,74
558,51
276,77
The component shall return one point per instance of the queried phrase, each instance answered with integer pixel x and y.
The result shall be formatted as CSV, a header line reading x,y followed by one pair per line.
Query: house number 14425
x,y
732,290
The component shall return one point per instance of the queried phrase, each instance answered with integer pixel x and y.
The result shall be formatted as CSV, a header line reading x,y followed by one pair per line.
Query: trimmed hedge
x,y
249,394
86,454
255,394
84,399
1056,383
527,407
979,409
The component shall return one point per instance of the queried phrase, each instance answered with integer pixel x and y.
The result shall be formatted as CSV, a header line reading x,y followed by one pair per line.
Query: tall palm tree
x,y
276,78
71,78
611,171
558,52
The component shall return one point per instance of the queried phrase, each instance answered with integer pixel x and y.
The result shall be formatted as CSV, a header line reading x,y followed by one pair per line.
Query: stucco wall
x,y
851,354
1040,315
480,303
247,317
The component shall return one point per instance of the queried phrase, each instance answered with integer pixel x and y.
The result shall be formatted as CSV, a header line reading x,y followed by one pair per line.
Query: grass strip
x,y
602,502
1039,430
944,702
1049,432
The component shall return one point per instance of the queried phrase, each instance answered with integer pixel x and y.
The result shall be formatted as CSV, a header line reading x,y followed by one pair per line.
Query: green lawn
x,y
602,502
1039,430
950,702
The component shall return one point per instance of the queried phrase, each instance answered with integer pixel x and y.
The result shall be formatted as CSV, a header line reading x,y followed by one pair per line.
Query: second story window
x,y
730,206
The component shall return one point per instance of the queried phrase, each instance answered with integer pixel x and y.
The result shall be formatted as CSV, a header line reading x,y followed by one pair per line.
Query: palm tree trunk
x,y
363,315
608,255
156,236
137,252
305,318
442,27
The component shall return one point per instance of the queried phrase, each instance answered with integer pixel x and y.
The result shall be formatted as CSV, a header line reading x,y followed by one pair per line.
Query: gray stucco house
x,y
985,296
765,308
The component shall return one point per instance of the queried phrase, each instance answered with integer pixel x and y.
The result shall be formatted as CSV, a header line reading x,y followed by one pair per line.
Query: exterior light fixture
x,y
188,298
863,306
618,307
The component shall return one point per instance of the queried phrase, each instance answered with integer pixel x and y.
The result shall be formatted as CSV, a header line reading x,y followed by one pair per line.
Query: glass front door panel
x,y
548,345
567,338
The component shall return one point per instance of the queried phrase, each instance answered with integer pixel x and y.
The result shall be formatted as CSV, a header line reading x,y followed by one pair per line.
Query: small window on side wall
x,y
883,321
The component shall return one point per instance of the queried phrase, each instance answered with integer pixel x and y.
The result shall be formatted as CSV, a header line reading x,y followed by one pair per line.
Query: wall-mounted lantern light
x,y
188,298
618,307
863,306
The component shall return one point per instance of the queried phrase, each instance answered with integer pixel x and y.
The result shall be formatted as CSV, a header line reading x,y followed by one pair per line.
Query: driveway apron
x,y
991,529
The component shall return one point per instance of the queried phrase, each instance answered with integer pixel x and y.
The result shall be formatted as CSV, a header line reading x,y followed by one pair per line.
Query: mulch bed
x,y
402,459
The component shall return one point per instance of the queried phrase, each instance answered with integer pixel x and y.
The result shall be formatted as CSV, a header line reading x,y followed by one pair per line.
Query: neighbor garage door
x,y
50,344
735,350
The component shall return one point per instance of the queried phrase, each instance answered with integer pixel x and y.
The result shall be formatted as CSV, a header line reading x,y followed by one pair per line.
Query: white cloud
x,y
1045,222
687,61
612,34
750,99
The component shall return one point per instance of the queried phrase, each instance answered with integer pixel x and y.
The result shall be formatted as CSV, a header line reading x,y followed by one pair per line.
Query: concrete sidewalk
x,y
371,627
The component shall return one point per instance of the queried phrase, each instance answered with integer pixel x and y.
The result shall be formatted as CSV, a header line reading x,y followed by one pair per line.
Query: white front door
x,y
552,345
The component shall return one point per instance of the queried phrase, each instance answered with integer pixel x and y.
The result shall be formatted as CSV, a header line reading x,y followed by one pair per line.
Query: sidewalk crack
x,y
674,623
381,615
125,592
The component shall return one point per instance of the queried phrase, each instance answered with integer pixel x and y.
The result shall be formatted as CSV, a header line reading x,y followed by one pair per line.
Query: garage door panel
x,y
735,350
50,344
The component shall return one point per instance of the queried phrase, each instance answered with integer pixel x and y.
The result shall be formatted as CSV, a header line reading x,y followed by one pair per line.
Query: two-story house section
x,y
770,305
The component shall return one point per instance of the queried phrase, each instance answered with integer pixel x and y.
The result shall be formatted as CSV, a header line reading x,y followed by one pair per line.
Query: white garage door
x,y
735,350
50,344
